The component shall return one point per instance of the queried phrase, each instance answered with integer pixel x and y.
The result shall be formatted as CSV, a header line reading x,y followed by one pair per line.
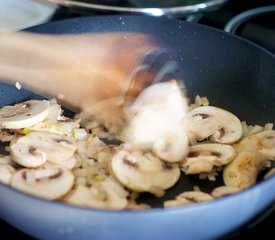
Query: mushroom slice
x,y
65,127
188,198
215,123
144,172
223,191
56,111
6,173
24,114
6,159
196,166
7,135
107,194
156,122
49,183
243,171
262,142
36,148
203,157
270,173
70,163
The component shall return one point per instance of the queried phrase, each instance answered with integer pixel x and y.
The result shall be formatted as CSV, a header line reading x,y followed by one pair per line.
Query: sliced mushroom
x,y
36,148
262,142
70,163
137,206
55,122
196,166
7,135
270,173
24,114
223,191
106,194
6,159
188,198
6,173
156,121
49,183
217,124
56,111
243,171
63,127
203,157
144,172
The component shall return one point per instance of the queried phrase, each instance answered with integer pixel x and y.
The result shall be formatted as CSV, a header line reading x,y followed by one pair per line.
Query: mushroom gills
x,y
144,172
202,158
49,183
215,124
107,194
36,148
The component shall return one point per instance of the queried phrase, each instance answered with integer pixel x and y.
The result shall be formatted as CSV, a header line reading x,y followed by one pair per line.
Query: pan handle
x,y
239,19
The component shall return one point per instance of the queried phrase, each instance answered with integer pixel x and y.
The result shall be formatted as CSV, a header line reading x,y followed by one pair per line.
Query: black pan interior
x,y
233,73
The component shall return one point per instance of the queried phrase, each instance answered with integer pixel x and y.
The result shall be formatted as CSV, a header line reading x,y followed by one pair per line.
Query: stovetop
x,y
260,30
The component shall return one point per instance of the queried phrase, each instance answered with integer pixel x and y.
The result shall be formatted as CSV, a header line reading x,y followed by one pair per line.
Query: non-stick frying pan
x,y
233,73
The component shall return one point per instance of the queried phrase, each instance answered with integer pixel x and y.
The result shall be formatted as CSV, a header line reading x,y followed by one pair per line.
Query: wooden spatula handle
x,y
94,73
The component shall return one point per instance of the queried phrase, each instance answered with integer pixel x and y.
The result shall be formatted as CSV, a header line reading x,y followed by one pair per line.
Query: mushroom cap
x,y
156,121
49,183
203,157
36,148
188,198
223,191
196,166
215,123
143,172
262,142
24,114
106,194
6,173
243,171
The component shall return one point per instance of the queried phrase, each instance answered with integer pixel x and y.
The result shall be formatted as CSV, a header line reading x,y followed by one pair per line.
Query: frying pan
x,y
233,73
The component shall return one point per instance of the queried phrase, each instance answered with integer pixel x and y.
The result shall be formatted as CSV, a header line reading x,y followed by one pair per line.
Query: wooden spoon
x,y
96,74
